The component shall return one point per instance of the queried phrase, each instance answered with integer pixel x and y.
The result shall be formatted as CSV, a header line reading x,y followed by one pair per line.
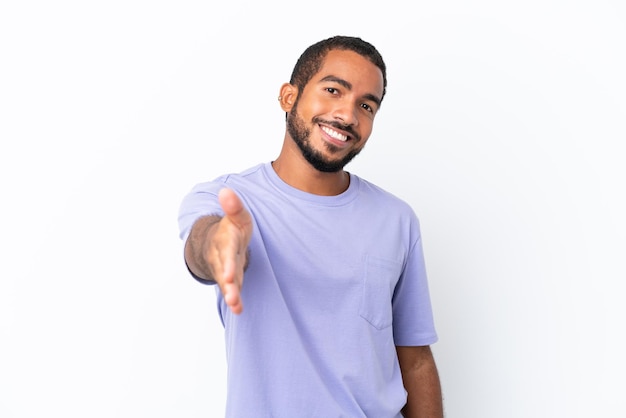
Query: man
x,y
333,318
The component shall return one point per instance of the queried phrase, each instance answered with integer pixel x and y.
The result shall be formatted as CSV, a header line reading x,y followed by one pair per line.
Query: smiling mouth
x,y
334,134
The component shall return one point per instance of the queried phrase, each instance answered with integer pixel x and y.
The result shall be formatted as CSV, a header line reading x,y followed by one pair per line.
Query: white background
x,y
503,127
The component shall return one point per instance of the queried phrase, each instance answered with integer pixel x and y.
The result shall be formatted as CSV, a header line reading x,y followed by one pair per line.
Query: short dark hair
x,y
313,57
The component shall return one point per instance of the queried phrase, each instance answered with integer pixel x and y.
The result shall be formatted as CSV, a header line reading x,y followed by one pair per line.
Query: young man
x,y
333,318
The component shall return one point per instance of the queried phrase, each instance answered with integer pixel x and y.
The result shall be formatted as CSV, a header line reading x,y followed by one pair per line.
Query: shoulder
x,y
379,196
233,180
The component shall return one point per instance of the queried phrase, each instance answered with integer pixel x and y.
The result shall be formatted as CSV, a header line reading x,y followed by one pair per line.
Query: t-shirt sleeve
x,y
413,323
200,201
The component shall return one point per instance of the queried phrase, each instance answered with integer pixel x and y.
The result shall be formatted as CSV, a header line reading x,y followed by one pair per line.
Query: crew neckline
x,y
337,200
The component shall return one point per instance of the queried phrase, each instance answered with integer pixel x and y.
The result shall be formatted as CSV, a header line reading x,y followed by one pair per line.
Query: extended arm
x,y
217,248
421,381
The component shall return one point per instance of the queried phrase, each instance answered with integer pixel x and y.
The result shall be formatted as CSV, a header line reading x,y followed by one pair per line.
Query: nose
x,y
346,112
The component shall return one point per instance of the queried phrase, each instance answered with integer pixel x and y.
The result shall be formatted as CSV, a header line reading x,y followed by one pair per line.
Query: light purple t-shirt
x,y
333,285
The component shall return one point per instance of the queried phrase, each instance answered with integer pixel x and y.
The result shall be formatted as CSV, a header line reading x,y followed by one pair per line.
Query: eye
x,y
367,107
332,90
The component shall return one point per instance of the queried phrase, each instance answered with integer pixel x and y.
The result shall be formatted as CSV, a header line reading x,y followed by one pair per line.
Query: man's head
x,y
313,57
335,90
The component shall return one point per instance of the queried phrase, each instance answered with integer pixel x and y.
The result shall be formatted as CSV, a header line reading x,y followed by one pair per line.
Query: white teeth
x,y
335,134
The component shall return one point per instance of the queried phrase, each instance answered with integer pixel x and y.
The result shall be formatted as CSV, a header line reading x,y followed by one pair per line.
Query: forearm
x,y
196,247
424,395
421,381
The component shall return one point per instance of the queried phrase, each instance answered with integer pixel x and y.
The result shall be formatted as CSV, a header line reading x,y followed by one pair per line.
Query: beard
x,y
301,136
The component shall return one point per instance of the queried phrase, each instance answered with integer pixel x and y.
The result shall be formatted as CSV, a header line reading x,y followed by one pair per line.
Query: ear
x,y
287,96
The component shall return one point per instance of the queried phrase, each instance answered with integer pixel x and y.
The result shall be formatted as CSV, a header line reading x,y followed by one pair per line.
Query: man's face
x,y
333,116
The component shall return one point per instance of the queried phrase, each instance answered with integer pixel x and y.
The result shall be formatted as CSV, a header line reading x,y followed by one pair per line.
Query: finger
x,y
229,265
232,285
232,297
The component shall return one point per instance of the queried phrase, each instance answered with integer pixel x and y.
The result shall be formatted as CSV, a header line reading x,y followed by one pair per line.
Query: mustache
x,y
339,126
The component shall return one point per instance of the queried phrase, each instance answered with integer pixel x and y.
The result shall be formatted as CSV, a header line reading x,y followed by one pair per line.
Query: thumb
x,y
233,207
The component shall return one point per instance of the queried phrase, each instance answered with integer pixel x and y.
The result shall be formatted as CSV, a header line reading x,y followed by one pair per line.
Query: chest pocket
x,y
379,280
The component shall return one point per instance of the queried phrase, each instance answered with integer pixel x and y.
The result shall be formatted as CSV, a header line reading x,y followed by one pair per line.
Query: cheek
x,y
323,105
367,125
310,105
319,107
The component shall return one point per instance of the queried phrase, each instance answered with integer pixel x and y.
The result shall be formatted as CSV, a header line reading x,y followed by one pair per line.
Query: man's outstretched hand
x,y
217,248
229,253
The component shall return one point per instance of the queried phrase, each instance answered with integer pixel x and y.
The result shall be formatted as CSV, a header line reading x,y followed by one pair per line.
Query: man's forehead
x,y
343,57
351,67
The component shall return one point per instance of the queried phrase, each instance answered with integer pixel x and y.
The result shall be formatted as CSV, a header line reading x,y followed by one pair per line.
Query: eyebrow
x,y
348,86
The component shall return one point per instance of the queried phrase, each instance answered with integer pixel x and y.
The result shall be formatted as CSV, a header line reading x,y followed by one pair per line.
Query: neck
x,y
294,170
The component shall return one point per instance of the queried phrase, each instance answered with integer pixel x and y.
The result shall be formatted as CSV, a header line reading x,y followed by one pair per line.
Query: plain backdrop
x,y
503,127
